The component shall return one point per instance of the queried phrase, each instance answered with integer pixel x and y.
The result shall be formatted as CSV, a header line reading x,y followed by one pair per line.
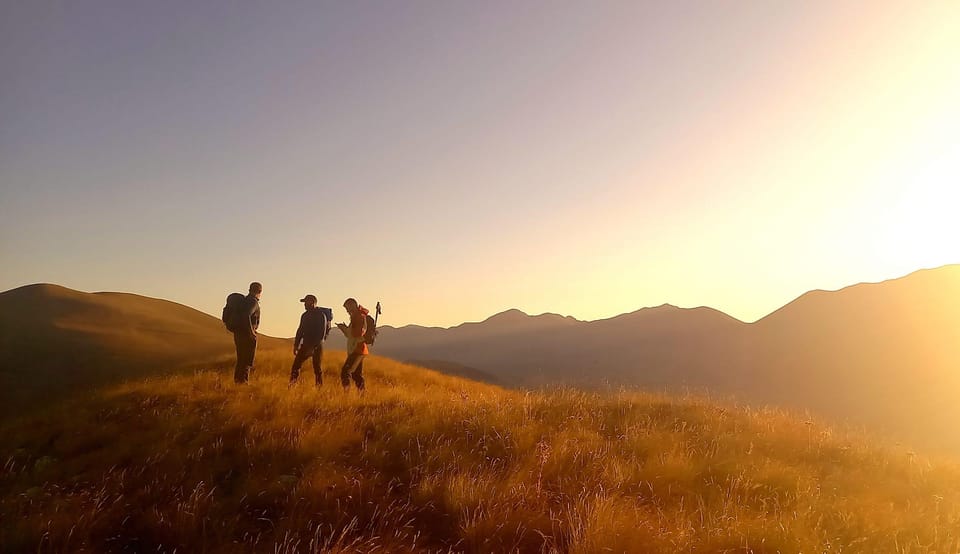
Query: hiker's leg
x,y
348,366
246,351
298,360
238,369
358,374
253,355
317,357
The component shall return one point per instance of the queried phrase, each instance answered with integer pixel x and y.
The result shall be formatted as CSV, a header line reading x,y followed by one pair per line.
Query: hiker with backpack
x,y
313,330
241,315
361,328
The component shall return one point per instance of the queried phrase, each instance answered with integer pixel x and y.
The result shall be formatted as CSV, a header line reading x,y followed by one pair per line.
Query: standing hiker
x,y
246,320
356,345
313,329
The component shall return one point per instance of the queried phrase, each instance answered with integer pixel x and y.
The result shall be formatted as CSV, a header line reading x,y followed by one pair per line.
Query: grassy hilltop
x,y
427,462
55,341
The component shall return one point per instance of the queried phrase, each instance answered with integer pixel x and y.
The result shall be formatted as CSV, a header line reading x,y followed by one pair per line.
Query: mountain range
x,y
885,355
882,355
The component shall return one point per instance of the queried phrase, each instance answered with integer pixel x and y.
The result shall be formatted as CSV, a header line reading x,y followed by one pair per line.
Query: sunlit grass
x,y
424,461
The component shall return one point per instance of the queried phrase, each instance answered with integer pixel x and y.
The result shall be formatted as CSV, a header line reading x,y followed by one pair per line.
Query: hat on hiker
x,y
309,298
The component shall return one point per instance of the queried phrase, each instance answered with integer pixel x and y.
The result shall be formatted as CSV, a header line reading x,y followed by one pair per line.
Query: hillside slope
x,y
56,339
883,354
426,462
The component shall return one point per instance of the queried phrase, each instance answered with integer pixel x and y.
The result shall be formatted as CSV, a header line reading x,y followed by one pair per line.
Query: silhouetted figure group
x,y
241,315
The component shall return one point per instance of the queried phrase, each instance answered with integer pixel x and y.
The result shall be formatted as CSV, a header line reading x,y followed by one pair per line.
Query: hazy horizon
x,y
453,161
213,313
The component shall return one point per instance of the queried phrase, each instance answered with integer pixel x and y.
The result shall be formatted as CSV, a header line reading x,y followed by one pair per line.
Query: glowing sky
x,y
454,159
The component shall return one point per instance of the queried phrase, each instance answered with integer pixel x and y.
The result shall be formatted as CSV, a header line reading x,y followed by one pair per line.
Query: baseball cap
x,y
309,298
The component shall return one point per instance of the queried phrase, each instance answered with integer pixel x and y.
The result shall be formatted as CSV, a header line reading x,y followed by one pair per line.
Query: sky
x,y
455,159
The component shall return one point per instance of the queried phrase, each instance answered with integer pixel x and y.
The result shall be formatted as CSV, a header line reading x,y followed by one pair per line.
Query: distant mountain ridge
x,y
882,354
553,341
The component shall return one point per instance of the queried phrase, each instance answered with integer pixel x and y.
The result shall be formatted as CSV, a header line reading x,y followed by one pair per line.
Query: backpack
x,y
232,310
370,332
327,313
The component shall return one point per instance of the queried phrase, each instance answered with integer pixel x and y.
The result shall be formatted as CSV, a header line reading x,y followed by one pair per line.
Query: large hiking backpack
x,y
327,313
370,332
232,310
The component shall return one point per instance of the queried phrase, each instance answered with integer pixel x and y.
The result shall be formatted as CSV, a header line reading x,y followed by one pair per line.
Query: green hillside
x,y
427,462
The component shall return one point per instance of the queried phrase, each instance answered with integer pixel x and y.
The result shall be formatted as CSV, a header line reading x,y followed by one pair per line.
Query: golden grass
x,y
426,462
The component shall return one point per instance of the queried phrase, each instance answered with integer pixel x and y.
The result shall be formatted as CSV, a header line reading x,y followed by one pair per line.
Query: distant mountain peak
x,y
655,310
512,314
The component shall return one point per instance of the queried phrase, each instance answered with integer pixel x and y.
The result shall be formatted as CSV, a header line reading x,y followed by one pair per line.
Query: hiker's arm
x,y
296,340
248,319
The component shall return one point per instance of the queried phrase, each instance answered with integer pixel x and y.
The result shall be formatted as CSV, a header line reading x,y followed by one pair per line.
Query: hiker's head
x,y
351,305
309,301
256,289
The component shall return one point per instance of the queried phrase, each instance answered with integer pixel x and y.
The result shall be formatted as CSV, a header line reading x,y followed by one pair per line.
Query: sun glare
x,y
924,226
